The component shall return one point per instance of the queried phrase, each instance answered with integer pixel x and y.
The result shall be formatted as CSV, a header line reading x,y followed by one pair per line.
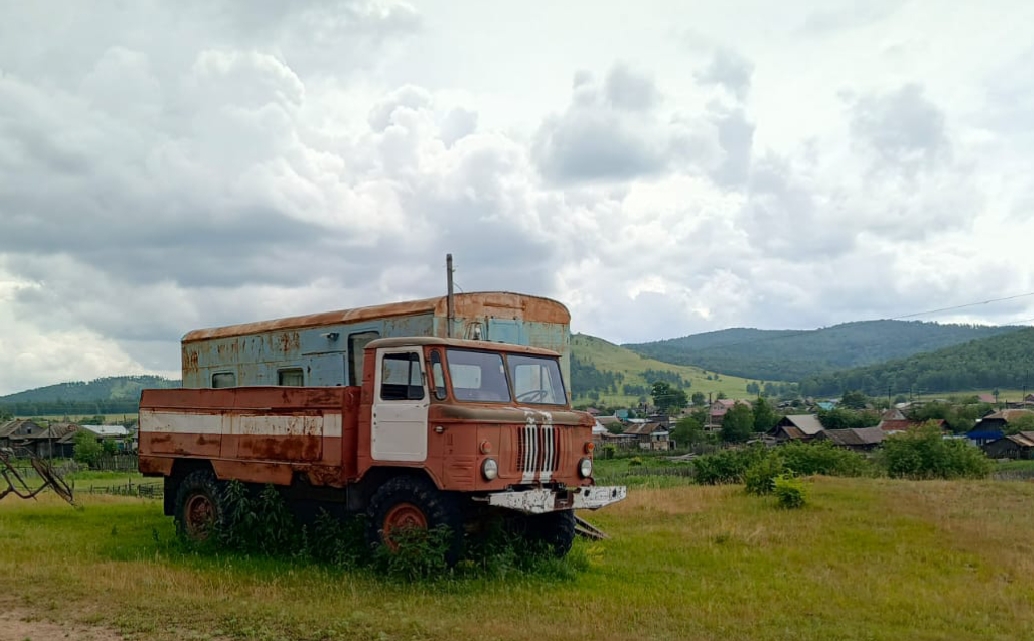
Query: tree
x,y
1023,423
721,395
688,430
854,400
85,448
5,415
667,398
738,424
698,398
765,417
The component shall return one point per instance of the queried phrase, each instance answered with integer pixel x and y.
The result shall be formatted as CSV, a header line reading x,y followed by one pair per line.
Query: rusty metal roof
x,y
498,304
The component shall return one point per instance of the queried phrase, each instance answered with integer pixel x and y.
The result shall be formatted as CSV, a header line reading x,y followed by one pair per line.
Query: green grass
x,y
614,358
870,559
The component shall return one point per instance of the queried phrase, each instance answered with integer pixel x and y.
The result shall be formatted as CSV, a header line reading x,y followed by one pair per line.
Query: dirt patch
x,y
17,624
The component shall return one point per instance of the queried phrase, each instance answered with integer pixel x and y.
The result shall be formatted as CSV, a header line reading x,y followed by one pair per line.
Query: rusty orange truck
x,y
440,431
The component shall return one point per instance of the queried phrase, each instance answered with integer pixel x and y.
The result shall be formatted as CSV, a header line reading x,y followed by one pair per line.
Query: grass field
x,y
614,358
868,559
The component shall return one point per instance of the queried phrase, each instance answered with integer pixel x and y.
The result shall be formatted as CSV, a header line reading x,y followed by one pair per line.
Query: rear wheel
x,y
200,505
405,503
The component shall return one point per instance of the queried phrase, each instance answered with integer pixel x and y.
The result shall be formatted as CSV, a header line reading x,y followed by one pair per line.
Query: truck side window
x,y
401,379
437,375
293,377
356,343
224,379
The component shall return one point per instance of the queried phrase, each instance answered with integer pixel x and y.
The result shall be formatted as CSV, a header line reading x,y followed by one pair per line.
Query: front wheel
x,y
405,503
553,529
200,505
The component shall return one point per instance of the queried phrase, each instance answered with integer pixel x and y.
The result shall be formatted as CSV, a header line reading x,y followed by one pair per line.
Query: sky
x,y
661,167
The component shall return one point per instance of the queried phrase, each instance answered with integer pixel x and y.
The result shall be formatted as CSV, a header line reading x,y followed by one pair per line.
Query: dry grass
x,y
867,559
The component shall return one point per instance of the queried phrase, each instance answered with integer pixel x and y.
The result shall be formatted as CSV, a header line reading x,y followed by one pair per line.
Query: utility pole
x,y
450,311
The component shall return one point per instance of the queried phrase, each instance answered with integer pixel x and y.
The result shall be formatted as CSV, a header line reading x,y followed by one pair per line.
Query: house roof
x,y
107,430
807,423
608,420
856,436
1007,415
987,398
901,426
791,432
10,427
1023,439
893,414
644,428
55,431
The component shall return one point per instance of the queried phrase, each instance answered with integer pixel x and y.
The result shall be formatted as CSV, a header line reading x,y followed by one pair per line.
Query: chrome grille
x,y
538,449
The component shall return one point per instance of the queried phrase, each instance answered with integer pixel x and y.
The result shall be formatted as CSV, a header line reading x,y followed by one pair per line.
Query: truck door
x,y
399,421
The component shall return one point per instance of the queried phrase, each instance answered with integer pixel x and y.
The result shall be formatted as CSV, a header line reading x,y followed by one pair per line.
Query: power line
x,y
948,309
793,333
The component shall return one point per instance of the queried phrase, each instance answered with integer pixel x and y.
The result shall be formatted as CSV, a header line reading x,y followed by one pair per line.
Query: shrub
x,y
85,448
806,459
635,461
789,491
760,477
727,466
923,454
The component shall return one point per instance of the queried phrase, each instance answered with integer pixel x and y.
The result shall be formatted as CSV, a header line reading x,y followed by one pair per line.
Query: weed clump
x,y
789,491
259,523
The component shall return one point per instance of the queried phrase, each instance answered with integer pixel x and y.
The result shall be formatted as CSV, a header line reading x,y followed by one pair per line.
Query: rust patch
x,y
155,465
189,359
288,342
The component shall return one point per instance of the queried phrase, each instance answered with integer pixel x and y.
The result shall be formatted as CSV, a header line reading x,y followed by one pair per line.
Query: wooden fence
x,y
148,490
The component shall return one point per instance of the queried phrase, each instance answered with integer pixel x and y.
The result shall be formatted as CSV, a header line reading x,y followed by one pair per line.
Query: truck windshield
x,y
536,379
477,376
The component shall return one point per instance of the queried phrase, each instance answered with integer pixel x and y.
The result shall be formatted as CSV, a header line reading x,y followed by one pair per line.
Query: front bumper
x,y
541,501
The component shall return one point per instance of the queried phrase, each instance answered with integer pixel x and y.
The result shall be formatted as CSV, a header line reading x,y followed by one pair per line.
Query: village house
x,y
857,439
1013,446
14,432
649,436
796,427
55,441
993,426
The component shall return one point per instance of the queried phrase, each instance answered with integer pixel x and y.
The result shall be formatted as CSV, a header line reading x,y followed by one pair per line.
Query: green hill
x,y
1001,362
610,374
786,355
111,395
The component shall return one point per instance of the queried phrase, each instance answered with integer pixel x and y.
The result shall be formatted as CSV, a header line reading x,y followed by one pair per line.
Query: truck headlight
x,y
585,467
489,469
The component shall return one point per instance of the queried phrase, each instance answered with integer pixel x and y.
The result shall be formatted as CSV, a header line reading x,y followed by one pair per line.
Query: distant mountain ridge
x,y
1003,362
111,388
788,355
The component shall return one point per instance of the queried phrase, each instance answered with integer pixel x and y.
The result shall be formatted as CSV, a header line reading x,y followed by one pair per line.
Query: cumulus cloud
x,y
903,127
236,165
617,132
729,70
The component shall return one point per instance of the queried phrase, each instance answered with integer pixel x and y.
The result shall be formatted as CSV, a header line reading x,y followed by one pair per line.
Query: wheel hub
x,y
401,517
199,513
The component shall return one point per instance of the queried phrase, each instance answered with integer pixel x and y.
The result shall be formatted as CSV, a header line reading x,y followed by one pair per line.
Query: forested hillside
x,y
609,373
1002,362
111,395
795,355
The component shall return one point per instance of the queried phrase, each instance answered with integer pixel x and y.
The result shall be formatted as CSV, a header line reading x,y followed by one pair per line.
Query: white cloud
x,y
173,166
